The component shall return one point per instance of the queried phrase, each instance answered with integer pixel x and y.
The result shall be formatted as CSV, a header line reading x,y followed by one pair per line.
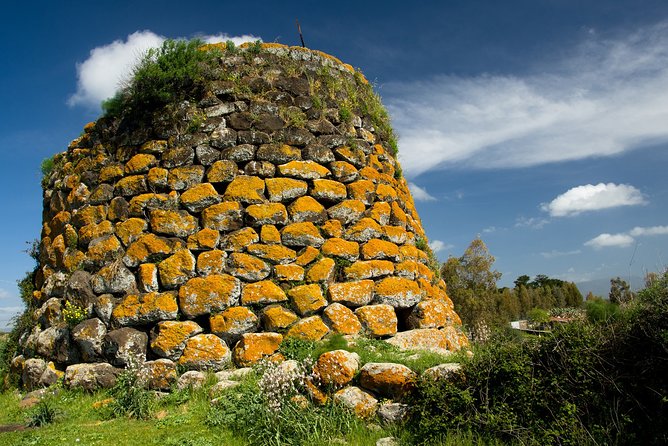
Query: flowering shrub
x,y
73,314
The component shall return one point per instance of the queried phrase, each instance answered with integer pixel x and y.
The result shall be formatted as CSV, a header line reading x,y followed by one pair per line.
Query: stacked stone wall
x,y
271,206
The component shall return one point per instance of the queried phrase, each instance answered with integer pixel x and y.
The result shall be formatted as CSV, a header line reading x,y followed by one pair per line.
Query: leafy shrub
x,y
172,73
297,349
130,396
45,412
601,310
73,314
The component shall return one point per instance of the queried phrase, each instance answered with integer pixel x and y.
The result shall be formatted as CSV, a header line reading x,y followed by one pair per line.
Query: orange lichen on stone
x,y
429,339
377,320
395,234
157,177
386,193
205,351
140,163
211,262
301,234
154,146
328,190
332,228
199,197
176,223
254,346
247,267
432,313
162,374
309,329
424,272
138,309
270,235
362,190
338,247
176,269
398,217
377,249
130,230
387,379
321,271
307,255
237,241
307,209
341,319
147,276
233,321
143,202
183,177
131,185
277,317
347,211
409,252
362,403
343,171
222,171
352,155
89,214
380,211
93,231
169,337
267,214
307,299
336,368
407,269
263,292
104,249
226,216
364,230
285,189
397,292
245,189
355,293
204,295
57,224
111,172
304,170
207,238
290,272
273,253
368,269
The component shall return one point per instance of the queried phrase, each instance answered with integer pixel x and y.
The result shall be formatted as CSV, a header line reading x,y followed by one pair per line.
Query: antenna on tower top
x,y
301,37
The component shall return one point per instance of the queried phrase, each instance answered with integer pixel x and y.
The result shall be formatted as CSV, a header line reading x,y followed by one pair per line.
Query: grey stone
x,y
89,336
32,372
192,379
206,155
124,346
443,371
240,153
91,377
392,413
113,278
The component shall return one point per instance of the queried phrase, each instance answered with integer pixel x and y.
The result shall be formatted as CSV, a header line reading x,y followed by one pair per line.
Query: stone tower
x,y
271,205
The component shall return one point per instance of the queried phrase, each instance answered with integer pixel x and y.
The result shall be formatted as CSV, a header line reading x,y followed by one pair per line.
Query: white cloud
x,y
108,66
419,193
610,240
653,230
554,253
4,294
7,315
592,197
438,246
489,230
531,222
606,97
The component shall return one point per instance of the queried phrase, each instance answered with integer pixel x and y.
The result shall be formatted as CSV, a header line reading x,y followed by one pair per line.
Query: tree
x,y
472,284
522,281
620,291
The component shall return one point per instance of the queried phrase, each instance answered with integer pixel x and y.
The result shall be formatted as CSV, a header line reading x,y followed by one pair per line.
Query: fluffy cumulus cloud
x,y
108,66
607,97
610,240
419,193
593,197
625,239
439,246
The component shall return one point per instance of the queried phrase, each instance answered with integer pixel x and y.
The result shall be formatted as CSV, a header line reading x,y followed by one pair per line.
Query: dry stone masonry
x,y
272,206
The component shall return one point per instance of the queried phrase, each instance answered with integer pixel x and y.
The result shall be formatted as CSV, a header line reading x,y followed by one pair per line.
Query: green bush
x,y
45,412
172,73
130,397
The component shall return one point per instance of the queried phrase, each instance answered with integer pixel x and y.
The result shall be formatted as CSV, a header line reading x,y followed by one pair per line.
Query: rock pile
x,y
271,206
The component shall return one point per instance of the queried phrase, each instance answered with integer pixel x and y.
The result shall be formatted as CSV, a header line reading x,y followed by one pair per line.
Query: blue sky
x,y
540,125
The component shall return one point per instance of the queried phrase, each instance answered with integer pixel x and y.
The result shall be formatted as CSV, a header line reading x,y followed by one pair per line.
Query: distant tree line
x,y
472,286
